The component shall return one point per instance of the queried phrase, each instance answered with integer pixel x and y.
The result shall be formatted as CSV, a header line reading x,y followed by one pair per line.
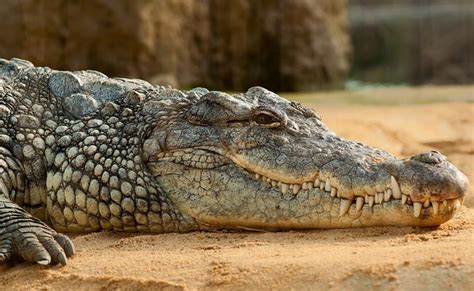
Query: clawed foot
x,y
33,240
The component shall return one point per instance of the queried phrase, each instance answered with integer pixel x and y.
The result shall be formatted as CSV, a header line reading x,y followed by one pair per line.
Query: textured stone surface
x,y
278,44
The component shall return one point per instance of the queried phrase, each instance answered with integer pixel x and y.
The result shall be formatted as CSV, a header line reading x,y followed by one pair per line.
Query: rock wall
x,y
233,44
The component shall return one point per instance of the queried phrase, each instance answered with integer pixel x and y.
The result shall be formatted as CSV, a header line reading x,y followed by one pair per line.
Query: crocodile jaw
x,y
231,193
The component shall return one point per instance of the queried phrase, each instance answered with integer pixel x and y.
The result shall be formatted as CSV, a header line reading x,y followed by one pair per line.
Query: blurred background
x,y
284,45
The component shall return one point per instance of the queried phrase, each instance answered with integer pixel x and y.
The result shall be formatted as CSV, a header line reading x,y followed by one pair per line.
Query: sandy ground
x,y
377,258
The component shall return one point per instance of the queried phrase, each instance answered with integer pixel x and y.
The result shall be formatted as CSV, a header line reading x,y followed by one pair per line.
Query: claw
x,y
43,262
66,244
29,247
62,259
55,250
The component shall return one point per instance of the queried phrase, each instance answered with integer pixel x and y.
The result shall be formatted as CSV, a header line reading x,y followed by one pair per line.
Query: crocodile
x,y
82,152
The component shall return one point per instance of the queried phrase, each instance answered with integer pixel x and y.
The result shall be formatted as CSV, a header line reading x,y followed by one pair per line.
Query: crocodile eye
x,y
267,118
264,118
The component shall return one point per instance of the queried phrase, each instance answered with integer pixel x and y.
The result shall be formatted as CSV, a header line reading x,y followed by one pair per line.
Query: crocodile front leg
x,y
21,233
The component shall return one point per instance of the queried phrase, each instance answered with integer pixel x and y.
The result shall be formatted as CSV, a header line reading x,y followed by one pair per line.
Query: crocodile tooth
x,y
404,199
333,192
359,203
296,188
456,204
387,195
345,205
435,207
258,176
316,182
327,186
426,204
416,209
371,201
321,185
284,188
366,198
274,183
304,186
279,184
269,180
310,185
380,198
397,194
445,203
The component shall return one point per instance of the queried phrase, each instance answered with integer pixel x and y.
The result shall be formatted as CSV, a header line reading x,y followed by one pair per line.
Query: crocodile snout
x,y
430,176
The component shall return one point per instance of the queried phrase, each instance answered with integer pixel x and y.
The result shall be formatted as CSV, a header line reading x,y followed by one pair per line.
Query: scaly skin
x,y
83,152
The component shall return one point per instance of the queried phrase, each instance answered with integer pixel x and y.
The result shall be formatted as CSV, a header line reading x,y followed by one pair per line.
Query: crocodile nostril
x,y
432,157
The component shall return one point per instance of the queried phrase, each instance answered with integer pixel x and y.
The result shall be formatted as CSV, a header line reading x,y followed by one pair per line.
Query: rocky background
x,y
232,45
284,45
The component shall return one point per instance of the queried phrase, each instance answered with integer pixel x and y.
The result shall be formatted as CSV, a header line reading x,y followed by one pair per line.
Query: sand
x,y
377,258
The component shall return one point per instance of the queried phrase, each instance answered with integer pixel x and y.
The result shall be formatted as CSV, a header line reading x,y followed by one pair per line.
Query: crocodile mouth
x,y
212,158
390,196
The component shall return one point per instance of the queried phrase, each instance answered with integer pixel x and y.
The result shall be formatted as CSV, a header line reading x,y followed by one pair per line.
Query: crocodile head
x,y
259,161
